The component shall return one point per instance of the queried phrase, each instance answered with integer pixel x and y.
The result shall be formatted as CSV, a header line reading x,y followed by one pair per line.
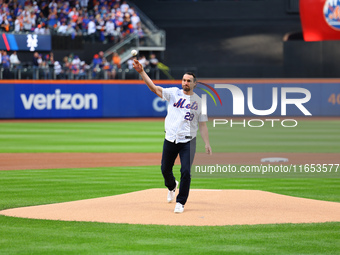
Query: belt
x,y
186,137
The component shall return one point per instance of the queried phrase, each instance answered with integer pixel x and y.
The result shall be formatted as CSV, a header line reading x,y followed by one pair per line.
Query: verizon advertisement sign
x,y
41,101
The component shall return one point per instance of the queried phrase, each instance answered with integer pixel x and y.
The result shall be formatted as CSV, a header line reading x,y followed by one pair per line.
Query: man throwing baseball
x,y
181,124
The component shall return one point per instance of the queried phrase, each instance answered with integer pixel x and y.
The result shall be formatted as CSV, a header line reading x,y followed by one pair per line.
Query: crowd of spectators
x,y
71,67
102,67
45,66
8,62
103,20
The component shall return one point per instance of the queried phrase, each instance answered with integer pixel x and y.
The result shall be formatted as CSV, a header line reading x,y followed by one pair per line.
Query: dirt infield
x,y
22,161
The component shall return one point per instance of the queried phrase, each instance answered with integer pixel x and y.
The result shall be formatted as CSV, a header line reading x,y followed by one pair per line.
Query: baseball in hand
x,y
134,52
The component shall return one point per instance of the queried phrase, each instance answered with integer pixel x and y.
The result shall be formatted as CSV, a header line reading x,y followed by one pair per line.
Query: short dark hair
x,y
192,74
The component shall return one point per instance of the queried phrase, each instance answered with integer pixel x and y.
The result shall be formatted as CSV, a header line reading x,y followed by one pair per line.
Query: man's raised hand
x,y
137,66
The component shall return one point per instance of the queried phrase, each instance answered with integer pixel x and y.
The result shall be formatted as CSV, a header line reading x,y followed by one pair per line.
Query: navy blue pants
x,y
186,152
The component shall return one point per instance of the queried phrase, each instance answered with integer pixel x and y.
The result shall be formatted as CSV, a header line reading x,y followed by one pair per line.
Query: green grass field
x,y
34,187
308,136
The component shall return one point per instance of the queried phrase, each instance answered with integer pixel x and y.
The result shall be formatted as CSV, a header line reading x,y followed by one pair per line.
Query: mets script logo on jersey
x,y
181,104
331,11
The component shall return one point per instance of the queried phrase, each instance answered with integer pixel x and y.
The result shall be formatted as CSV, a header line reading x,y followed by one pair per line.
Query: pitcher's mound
x,y
204,207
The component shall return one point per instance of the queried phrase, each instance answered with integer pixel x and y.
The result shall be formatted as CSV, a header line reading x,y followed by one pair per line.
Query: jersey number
x,y
189,116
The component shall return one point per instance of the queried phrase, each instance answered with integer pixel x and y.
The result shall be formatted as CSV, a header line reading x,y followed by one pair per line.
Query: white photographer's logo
x,y
238,100
239,106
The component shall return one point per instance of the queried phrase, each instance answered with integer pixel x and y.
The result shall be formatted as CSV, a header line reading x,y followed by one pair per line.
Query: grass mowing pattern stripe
x,y
308,136
82,137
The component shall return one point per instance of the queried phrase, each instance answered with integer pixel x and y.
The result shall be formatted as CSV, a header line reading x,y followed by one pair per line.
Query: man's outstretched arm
x,y
155,89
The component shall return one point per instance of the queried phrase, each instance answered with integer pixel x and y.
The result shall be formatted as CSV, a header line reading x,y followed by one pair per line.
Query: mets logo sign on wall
x,y
331,11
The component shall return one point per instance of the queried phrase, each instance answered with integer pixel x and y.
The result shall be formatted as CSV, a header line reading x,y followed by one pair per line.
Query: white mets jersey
x,y
184,113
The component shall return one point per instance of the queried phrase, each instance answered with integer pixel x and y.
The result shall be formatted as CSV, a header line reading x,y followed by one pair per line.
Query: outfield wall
x,y
109,99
